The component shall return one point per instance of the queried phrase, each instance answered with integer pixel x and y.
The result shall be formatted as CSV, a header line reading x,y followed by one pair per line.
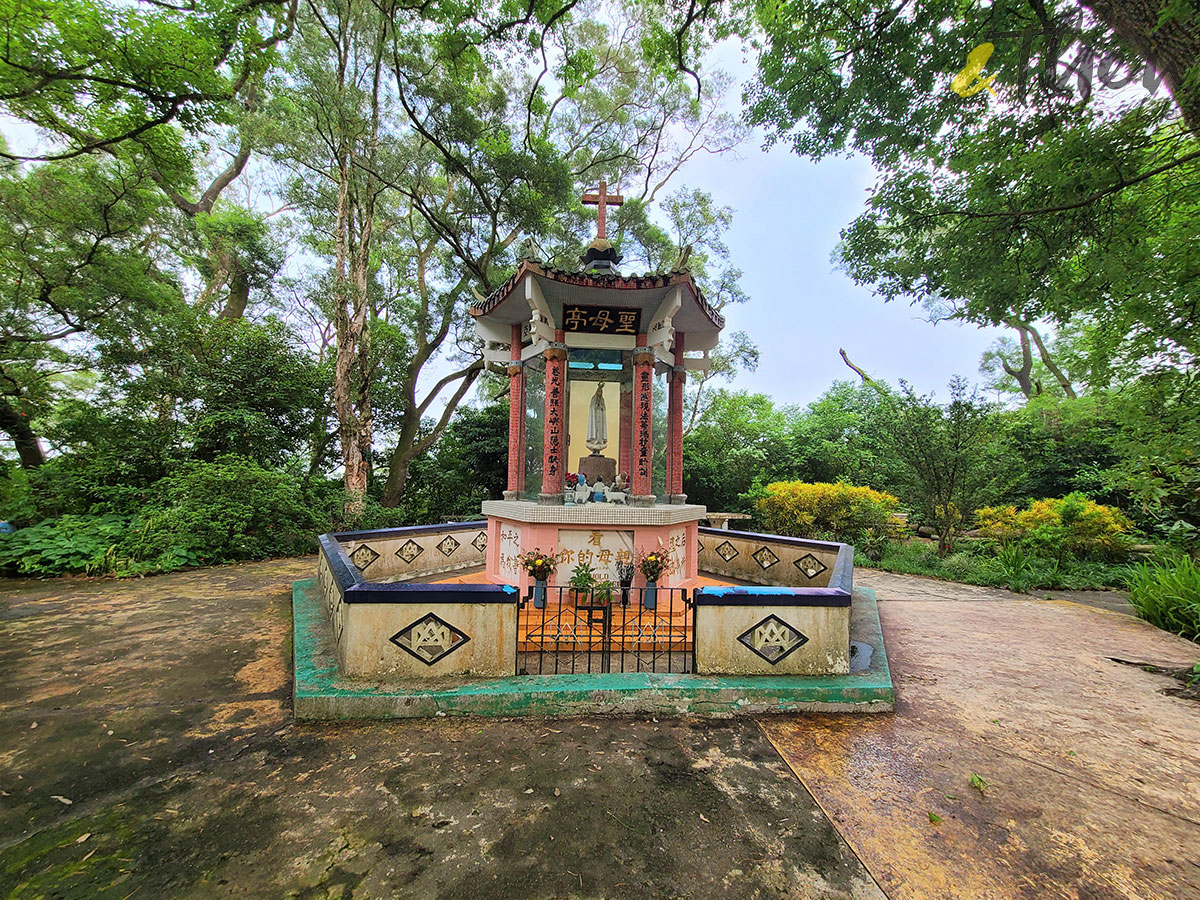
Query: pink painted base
x,y
506,538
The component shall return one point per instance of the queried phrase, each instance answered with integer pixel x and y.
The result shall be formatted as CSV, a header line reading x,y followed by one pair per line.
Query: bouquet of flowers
x,y
538,565
571,479
655,565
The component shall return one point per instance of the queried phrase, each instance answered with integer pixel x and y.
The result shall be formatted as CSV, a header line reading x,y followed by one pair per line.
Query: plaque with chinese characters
x,y
601,319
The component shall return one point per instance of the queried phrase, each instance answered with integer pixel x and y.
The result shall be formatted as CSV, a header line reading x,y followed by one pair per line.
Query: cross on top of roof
x,y
602,198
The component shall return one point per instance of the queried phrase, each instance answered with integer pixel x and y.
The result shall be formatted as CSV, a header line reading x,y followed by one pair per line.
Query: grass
x,y
1167,594
1012,567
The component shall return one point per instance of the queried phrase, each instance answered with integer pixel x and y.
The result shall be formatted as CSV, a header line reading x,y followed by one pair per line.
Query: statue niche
x,y
595,466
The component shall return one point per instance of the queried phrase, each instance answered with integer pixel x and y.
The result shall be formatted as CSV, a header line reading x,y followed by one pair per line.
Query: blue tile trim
x,y
411,592
345,573
769,596
408,530
775,538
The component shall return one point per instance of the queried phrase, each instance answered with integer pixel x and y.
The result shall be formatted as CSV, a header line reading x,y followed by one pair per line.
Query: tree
x,y
841,437
462,156
741,438
1013,369
1158,466
80,265
1050,206
115,77
944,448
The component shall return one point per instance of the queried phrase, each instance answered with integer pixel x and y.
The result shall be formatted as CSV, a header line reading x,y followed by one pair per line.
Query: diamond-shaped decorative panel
x,y
410,550
699,546
429,639
363,556
448,545
810,566
480,542
772,639
764,557
726,551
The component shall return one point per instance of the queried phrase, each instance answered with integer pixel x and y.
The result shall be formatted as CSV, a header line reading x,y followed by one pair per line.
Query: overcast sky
x,y
788,215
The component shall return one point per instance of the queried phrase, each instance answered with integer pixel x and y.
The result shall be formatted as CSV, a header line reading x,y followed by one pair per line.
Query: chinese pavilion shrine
x,y
589,354
446,615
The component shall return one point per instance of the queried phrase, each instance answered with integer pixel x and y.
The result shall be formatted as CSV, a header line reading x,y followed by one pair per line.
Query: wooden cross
x,y
602,198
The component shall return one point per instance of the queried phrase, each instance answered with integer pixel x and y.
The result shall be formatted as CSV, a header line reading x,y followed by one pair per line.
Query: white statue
x,y
599,491
597,430
617,493
582,491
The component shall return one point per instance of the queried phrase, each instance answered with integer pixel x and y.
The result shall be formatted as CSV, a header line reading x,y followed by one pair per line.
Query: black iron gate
x,y
567,631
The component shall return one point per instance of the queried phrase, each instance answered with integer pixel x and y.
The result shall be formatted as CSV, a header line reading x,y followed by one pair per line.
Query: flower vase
x,y
539,593
625,584
650,595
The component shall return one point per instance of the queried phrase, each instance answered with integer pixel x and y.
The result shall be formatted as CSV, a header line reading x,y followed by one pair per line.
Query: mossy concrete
x,y
322,692
148,750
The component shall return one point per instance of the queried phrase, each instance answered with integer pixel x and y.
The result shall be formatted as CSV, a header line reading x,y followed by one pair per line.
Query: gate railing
x,y
567,631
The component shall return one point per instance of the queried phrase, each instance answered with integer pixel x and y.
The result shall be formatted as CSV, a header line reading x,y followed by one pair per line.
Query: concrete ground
x,y
147,750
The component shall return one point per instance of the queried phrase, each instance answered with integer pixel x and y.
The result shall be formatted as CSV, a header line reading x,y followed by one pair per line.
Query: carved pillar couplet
x,y
555,431
675,426
625,438
516,418
643,416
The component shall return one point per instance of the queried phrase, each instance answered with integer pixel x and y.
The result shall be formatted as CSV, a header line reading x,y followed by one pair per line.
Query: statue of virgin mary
x,y
597,430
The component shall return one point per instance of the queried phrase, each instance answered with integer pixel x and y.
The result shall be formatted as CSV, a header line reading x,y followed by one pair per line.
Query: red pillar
x,y
675,427
516,418
643,415
554,436
625,438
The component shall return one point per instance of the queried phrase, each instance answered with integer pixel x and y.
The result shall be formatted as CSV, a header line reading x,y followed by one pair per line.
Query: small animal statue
x,y
616,493
582,492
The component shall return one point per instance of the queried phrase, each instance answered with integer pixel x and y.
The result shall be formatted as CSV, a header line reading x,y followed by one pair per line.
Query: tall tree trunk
x,y
239,291
1048,361
350,317
397,480
1171,44
16,426
1024,373
408,447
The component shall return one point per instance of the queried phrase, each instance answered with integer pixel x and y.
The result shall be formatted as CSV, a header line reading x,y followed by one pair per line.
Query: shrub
x,y
65,544
836,512
1167,594
974,563
231,508
17,504
1072,526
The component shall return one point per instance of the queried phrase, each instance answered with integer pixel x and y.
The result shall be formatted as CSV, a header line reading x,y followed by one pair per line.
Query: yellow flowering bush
x,y
833,512
1074,525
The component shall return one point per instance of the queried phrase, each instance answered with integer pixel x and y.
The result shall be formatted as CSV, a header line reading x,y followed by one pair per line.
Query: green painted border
x,y
320,692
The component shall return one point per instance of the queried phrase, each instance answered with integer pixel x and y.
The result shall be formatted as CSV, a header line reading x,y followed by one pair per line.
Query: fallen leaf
x,y
935,818
83,837
62,800
703,818
978,783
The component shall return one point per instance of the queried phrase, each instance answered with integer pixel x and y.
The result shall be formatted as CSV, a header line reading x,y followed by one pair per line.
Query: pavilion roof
x,y
651,284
